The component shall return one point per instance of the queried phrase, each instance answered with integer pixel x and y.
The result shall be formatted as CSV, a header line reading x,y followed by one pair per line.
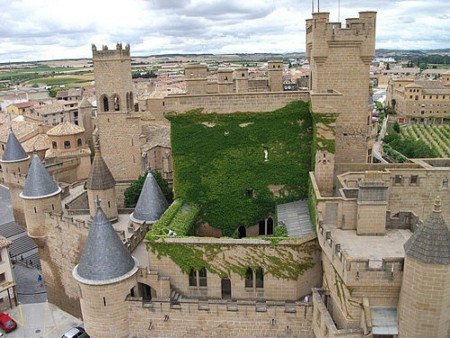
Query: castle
x,y
376,264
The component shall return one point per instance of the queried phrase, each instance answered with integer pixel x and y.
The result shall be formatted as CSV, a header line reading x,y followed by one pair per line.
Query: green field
x,y
24,74
219,162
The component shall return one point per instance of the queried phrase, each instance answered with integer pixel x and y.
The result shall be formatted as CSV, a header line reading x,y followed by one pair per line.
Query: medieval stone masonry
x,y
367,255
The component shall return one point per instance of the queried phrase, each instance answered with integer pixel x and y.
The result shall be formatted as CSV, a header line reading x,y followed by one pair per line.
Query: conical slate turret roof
x,y
38,184
100,177
13,149
104,257
151,203
430,243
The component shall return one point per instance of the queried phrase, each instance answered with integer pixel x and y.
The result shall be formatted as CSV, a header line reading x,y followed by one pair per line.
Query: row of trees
x,y
407,146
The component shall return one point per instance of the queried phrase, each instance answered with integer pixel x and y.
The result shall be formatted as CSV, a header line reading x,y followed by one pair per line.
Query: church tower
x,y
15,162
40,194
339,60
425,294
101,185
118,124
105,274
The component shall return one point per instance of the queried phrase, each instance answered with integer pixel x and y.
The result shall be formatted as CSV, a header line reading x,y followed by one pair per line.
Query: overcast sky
x,y
51,29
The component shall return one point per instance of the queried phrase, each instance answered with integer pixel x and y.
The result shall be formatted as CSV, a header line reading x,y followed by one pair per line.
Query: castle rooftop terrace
x,y
373,248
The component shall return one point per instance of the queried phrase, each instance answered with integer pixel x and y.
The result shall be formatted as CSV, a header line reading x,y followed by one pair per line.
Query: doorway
x,y
242,232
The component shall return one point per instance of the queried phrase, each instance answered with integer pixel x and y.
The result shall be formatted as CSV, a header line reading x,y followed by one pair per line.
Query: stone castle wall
x,y
230,103
59,255
219,319
225,254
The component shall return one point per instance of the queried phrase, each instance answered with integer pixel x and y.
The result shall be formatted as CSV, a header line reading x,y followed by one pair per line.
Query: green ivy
x,y
280,261
219,157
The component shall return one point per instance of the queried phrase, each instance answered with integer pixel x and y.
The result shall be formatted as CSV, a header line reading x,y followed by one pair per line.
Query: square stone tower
x,y
118,125
339,59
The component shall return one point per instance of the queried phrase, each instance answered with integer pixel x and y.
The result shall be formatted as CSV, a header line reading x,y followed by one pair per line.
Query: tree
x,y
396,127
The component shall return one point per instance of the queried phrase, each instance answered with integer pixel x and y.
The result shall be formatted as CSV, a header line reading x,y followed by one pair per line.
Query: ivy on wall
x,y
225,163
281,261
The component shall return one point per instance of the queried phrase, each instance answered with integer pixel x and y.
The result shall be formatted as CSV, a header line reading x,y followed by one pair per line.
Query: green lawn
x,y
219,161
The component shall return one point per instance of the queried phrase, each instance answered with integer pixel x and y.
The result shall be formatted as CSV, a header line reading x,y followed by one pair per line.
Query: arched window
x,y
66,144
136,107
128,101
79,142
192,278
202,278
105,103
249,278
54,145
131,100
116,103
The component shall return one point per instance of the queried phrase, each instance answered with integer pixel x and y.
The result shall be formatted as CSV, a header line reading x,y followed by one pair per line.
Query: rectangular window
x,y
259,278
202,278
398,179
249,278
414,179
2,277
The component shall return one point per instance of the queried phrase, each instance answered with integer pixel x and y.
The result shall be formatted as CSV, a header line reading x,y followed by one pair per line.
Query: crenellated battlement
x,y
358,32
106,53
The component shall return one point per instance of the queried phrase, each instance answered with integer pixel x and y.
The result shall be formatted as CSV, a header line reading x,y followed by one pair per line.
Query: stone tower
x,y
275,70
105,274
241,80
15,162
196,76
40,194
101,185
424,303
339,60
85,118
151,203
118,125
225,81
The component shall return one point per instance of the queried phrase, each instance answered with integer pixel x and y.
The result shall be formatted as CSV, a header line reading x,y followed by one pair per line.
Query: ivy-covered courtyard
x,y
226,163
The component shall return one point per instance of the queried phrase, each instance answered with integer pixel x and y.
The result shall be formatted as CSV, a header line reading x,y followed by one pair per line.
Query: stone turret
x,y
196,76
105,274
101,185
151,203
275,70
241,80
40,194
15,162
425,293
85,118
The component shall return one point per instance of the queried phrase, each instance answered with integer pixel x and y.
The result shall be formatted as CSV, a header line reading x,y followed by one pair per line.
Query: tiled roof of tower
x,y
151,203
430,243
13,149
65,128
38,184
104,257
100,176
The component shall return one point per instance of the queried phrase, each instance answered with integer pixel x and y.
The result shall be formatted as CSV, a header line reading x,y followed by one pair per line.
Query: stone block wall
x,y
119,142
227,255
219,319
230,103
59,255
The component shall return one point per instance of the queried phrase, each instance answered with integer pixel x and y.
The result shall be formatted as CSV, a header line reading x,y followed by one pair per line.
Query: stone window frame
x,y
414,180
198,278
254,279
398,180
